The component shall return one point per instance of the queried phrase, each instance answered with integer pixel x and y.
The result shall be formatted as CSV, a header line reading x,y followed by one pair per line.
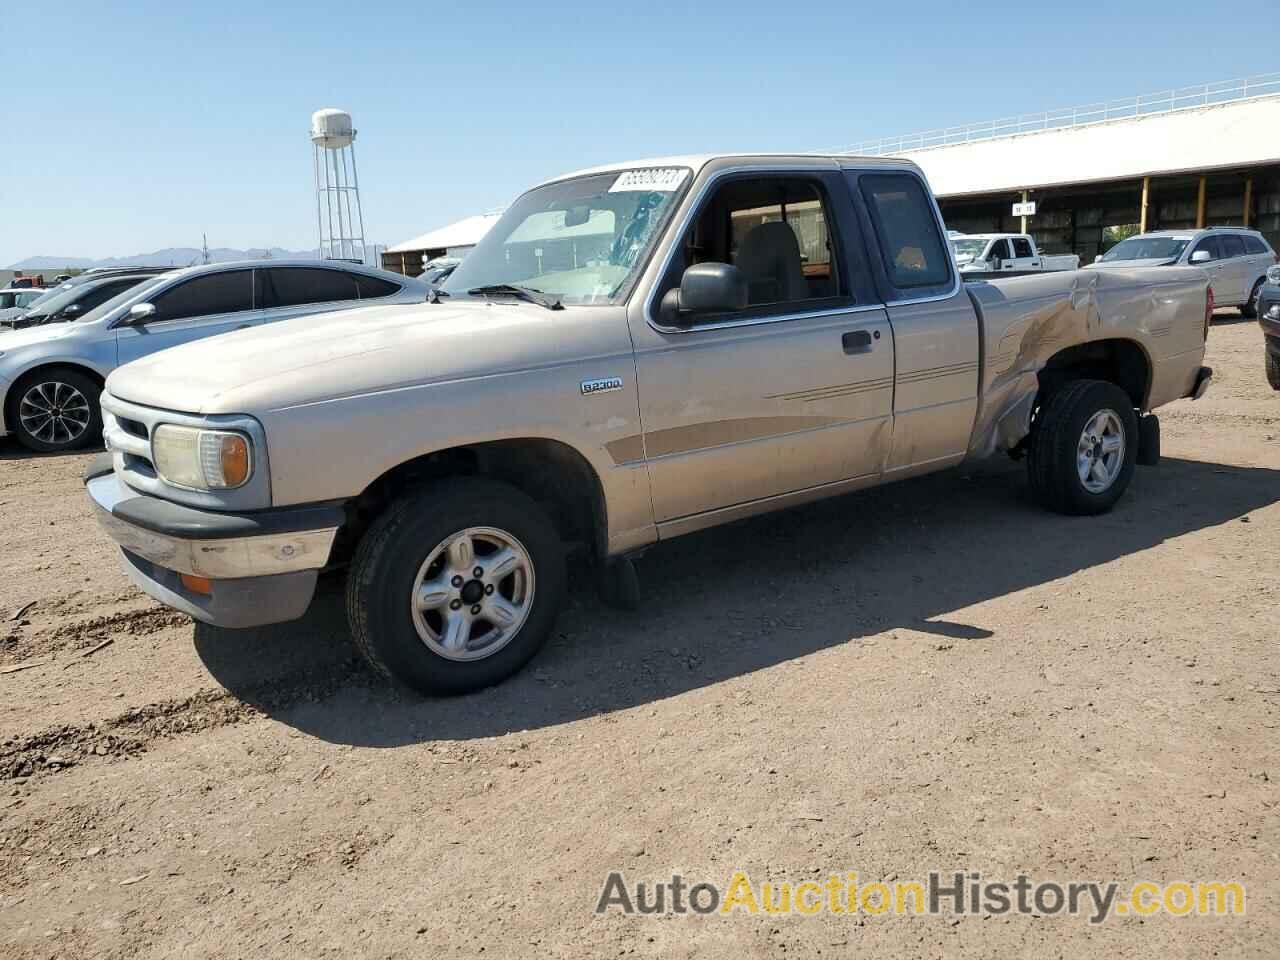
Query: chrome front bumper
x,y
268,575
222,558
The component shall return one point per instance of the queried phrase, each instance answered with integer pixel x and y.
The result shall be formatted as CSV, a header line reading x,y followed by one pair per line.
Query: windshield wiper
x,y
520,293
435,295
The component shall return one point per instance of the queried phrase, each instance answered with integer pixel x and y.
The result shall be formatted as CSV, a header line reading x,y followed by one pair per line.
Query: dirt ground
x,y
933,675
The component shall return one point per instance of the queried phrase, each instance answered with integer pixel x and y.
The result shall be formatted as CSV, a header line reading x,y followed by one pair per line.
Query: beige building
x,y
454,240
1204,156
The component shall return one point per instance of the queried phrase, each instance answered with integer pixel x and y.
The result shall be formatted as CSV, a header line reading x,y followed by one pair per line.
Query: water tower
x,y
338,213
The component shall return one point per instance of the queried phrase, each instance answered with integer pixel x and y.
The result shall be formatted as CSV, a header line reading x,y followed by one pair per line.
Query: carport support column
x,y
1200,205
1023,228
1146,197
1248,199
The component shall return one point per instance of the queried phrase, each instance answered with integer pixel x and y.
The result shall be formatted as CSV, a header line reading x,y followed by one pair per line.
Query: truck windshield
x,y
969,247
1147,248
582,241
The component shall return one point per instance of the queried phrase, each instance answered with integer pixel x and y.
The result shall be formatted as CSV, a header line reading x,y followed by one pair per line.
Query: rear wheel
x,y
1083,448
1250,308
456,586
55,410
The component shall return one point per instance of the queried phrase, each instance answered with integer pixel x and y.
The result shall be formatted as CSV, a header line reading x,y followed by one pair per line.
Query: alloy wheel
x,y
473,593
1100,453
55,413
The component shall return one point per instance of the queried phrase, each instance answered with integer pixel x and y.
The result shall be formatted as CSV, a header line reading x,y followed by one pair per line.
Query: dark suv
x,y
1269,318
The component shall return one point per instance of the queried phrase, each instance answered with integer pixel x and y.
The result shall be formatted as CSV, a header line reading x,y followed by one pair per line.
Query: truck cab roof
x,y
696,162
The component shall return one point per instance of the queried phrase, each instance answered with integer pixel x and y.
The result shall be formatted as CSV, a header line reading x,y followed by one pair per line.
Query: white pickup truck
x,y
1007,253
632,353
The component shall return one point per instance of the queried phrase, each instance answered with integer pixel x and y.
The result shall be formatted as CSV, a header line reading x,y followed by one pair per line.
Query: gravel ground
x,y
933,675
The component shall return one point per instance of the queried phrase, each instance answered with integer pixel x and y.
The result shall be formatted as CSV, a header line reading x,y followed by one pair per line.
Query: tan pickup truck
x,y
633,352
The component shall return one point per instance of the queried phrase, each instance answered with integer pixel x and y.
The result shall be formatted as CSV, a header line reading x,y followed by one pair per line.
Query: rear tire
x,y
419,621
1249,309
54,410
1083,448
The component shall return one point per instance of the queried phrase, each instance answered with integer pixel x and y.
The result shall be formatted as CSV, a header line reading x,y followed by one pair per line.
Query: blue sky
x,y
137,125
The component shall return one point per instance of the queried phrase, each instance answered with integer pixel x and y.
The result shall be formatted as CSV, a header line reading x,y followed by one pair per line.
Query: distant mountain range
x,y
168,257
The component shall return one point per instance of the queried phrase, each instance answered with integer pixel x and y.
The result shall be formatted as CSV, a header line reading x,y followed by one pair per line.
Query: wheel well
x,y
43,370
554,474
1122,362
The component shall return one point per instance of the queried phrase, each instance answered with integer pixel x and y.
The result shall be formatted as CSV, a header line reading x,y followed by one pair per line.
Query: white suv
x,y
1236,259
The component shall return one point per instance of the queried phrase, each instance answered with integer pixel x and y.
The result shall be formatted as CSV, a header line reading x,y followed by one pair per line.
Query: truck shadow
x,y
726,602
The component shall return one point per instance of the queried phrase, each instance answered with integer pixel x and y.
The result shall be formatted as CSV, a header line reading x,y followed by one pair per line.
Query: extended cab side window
x,y
1022,248
228,292
907,232
778,231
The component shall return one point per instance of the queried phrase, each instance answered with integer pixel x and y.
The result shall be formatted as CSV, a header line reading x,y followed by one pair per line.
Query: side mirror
x,y
706,288
1201,256
1098,258
141,312
72,309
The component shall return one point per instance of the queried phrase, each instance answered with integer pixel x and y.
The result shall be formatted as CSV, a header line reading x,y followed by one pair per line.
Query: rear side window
x,y
1022,248
1231,245
1254,245
371,288
214,293
907,231
294,286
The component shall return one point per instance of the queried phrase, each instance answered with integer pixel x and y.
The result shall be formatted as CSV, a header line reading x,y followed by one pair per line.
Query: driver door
x,y
792,394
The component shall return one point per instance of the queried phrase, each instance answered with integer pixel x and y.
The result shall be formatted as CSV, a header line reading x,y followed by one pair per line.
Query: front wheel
x,y
55,410
1083,448
1250,308
456,586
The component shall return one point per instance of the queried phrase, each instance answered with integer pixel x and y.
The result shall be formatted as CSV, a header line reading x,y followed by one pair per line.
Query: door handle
x,y
857,341
244,326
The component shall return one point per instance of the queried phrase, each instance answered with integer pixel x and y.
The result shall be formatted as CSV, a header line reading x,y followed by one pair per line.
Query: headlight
x,y
1273,273
201,459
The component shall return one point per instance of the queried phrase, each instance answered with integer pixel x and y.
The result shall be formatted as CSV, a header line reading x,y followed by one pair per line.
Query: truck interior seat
x,y
770,258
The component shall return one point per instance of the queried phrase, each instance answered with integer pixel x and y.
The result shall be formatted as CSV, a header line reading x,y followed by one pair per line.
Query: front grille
x,y
127,433
134,427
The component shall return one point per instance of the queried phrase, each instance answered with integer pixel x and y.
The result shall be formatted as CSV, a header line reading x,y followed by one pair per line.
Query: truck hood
x,y
322,356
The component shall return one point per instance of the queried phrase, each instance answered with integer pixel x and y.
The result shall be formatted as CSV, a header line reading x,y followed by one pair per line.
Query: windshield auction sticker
x,y
652,179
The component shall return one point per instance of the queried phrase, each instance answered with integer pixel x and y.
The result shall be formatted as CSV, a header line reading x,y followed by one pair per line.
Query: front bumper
x,y
262,566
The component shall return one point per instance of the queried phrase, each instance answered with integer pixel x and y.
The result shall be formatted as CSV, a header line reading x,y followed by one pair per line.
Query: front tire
x,y
1083,448
1249,309
1273,367
55,410
456,586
